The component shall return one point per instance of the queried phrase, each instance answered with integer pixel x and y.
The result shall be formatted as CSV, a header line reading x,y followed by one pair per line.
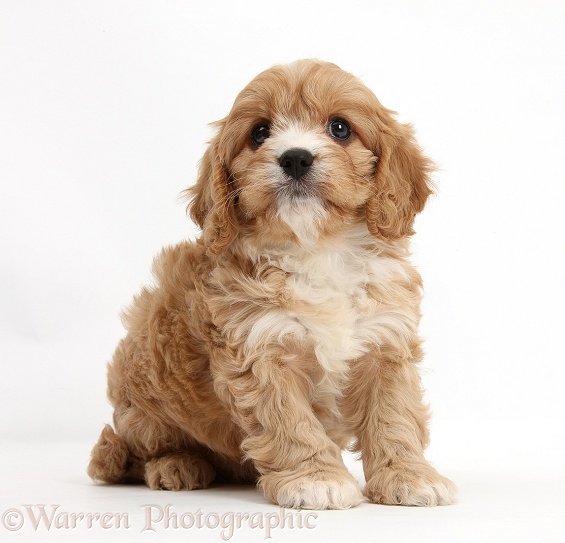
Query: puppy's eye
x,y
339,129
260,133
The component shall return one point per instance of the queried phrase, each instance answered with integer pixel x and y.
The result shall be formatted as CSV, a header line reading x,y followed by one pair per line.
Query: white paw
x,y
312,493
410,484
429,494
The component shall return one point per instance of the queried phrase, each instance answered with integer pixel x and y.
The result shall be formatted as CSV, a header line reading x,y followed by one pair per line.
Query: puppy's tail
x,y
110,458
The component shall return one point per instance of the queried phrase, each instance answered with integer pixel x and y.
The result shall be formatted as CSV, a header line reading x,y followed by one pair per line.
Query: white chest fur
x,y
330,305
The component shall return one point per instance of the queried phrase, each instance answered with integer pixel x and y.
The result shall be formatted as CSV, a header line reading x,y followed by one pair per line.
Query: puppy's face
x,y
301,172
306,150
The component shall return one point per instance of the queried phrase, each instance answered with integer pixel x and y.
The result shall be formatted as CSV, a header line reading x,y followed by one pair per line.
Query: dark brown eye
x,y
260,133
339,129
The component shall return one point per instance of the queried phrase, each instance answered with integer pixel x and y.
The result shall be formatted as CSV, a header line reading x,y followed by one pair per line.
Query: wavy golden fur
x,y
288,331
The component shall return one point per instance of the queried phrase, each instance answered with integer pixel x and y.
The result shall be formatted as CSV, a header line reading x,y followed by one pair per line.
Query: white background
x,y
104,108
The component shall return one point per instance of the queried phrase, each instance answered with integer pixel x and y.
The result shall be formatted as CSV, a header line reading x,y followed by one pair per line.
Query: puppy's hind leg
x,y
178,471
111,461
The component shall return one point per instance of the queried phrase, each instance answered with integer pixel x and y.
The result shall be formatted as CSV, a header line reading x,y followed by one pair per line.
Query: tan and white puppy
x,y
288,331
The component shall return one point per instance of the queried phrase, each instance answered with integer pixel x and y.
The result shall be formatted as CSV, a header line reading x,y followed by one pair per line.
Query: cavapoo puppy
x,y
288,331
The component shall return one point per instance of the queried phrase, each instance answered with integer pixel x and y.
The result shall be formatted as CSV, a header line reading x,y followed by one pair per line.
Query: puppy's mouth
x,y
296,189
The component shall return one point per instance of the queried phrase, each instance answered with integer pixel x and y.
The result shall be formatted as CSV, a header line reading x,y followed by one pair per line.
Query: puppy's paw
x,y
323,489
410,484
109,458
178,472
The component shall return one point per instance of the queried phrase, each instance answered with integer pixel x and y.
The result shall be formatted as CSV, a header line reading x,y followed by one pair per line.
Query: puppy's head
x,y
306,150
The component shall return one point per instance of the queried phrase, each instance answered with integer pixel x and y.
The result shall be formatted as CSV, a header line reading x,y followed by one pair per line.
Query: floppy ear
x,y
401,185
212,203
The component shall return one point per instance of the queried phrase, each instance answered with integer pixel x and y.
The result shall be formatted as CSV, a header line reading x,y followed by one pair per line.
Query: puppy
x,y
288,331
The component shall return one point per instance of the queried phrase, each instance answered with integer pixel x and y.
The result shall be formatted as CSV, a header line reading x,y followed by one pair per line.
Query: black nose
x,y
296,162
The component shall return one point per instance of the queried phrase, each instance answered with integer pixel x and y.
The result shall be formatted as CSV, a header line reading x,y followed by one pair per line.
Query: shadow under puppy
x,y
288,331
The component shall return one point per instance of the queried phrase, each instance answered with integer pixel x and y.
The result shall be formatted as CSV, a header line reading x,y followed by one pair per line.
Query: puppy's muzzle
x,y
296,162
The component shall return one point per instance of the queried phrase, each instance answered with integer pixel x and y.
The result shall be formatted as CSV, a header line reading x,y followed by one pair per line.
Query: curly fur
x,y
288,331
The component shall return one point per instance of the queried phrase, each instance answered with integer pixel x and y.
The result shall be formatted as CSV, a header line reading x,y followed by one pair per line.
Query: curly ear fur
x,y
212,206
401,187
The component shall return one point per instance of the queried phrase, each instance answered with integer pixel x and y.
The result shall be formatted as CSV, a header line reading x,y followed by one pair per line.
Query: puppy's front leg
x,y
384,409
300,466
